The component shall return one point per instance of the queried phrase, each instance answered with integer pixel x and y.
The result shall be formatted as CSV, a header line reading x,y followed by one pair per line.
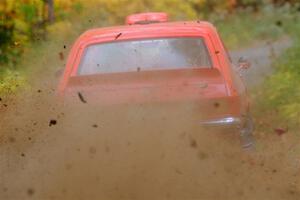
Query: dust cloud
x,y
56,150
51,149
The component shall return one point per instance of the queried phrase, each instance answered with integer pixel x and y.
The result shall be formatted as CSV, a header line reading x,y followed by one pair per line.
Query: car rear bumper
x,y
223,122
243,125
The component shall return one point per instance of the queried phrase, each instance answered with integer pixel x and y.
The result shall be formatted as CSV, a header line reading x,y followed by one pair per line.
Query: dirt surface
x,y
49,150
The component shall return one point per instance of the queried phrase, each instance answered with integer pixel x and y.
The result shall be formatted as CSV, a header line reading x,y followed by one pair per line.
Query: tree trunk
x,y
50,5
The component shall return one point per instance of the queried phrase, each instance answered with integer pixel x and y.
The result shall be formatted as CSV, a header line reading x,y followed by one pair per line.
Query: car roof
x,y
117,31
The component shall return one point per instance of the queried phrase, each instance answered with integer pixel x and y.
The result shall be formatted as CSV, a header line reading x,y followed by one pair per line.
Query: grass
x,y
10,81
278,99
245,28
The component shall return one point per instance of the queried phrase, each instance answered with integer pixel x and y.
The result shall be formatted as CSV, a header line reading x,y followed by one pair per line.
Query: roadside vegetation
x,y
34,32
278,100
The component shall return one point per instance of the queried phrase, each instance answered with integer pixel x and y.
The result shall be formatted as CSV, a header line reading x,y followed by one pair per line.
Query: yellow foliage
x,y
292,111
11,82
119,9
62,28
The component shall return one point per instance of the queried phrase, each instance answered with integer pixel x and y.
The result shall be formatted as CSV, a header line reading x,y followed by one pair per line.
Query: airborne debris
x,y
281,131
117,36
81,97
95,125
193,143
30,192
61,56
216,104
92,150
279,23
11,139
52,122
202,155
178,171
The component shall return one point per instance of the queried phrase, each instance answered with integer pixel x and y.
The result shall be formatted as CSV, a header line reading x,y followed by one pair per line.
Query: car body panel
x,y
219,91
159,30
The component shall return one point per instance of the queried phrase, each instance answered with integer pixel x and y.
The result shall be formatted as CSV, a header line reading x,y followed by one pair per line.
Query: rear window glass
x,y
142,55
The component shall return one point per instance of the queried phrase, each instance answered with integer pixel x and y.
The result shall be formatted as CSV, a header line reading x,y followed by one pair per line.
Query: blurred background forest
x,y
26,21
33,28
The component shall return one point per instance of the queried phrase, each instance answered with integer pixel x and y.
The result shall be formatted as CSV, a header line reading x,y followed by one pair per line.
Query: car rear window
x,y
146,54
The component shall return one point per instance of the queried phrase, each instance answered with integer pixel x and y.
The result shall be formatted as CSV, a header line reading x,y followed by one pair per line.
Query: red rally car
x,y
152,60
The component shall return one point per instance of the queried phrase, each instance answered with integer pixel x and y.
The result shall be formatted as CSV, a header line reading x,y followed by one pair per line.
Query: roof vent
x,y
147,18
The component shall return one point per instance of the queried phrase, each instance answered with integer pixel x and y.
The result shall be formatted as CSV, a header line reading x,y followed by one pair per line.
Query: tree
x,y
50,11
